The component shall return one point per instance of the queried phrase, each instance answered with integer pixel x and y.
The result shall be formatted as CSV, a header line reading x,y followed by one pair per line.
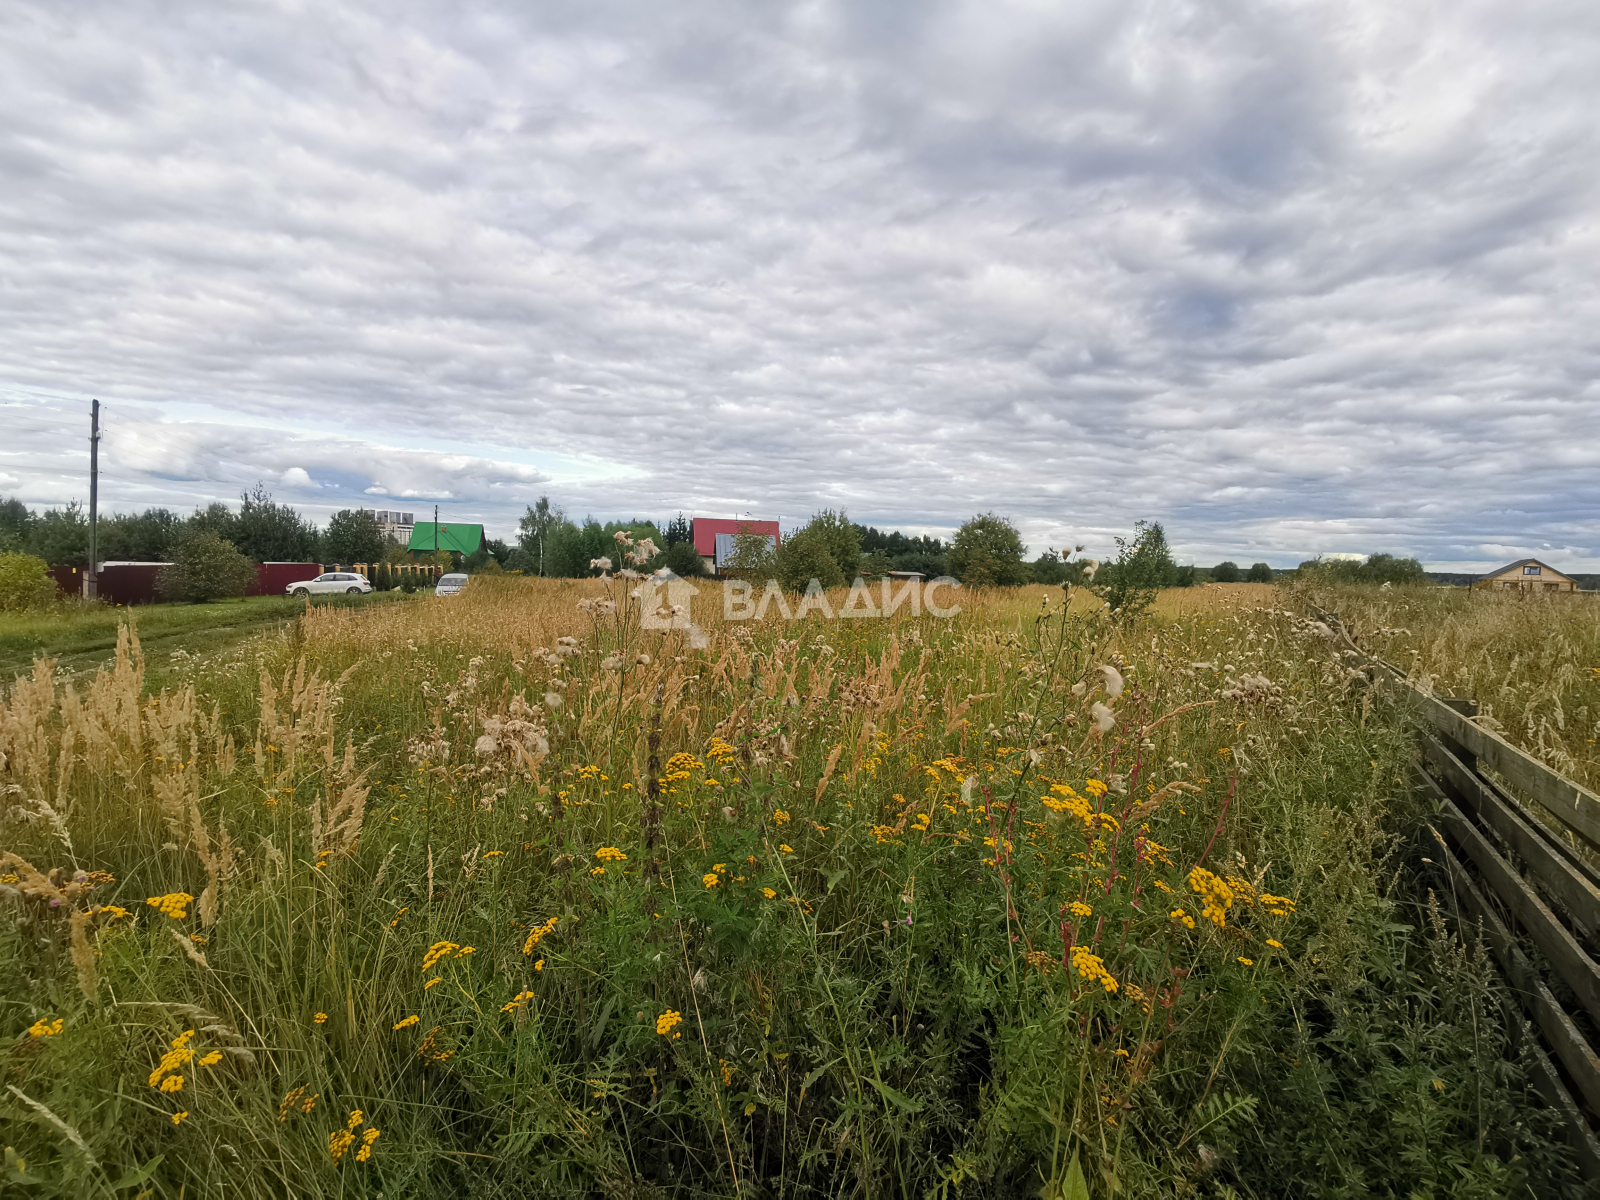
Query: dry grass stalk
x,y
336,824
82,953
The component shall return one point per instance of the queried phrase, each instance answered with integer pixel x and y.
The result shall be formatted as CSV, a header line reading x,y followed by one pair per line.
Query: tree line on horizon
x,y
987,550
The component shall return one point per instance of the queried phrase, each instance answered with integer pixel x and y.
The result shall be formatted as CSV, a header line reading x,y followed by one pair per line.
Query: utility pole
x,y
91,581
436,541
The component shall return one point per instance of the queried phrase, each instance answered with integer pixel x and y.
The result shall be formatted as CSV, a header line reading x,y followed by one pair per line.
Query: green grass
x,y
924,800
81,633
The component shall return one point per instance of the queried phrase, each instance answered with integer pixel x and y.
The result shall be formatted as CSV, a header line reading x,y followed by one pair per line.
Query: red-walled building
x,y
713,537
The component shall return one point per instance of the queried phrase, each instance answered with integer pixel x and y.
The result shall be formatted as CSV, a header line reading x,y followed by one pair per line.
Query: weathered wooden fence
x,y
1517,848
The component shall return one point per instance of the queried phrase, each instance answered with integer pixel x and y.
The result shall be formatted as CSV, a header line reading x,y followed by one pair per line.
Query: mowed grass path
x,y
81,636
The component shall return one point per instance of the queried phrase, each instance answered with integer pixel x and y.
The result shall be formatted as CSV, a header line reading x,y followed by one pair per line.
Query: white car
x,y
449,585
331,581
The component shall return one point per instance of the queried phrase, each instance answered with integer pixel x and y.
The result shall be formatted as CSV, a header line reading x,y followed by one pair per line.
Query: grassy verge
x,y
81,633
506,896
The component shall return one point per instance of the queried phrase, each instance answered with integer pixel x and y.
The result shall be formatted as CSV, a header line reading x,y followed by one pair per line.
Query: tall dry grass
x,y
509,895
1531,661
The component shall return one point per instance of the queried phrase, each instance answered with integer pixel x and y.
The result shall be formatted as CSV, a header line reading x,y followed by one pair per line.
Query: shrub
x,y
205,567
684,560
753,557
841,537
1226,572
1142,565
805,557
25,583
1376,568
988,550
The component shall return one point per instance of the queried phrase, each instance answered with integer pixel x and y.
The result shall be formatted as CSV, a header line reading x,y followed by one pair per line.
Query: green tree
x,y
753,556
1143,564
15,520
1258,573
145,537
678,530
216,518
60,536
271,532
536,534
25,583
876,565
1376,568
1226,572
1049,568
205,567
353,536
987,550
805,556
685,560
840,537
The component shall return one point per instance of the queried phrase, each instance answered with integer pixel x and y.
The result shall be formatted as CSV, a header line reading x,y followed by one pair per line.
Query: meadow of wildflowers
x,y
507,895
1530,660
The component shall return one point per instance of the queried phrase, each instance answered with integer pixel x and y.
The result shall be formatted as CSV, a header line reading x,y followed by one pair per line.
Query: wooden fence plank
x,y
1585,1148
1562,840
1567,958
1570,1046
1579,896
1575,807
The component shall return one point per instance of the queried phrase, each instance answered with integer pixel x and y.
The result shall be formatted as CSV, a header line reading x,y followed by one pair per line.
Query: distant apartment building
x,y
396,526
1528,575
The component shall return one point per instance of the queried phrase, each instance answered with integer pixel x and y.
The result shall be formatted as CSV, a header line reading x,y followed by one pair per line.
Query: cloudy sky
x,y
1291,277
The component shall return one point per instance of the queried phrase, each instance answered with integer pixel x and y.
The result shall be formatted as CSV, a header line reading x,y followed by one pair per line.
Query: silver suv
x,y
331,581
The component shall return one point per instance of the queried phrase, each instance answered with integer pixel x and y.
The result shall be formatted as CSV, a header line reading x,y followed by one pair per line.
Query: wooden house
x,y
1527,575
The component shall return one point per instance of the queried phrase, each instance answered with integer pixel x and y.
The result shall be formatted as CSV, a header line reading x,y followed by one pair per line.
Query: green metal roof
x,y
453,535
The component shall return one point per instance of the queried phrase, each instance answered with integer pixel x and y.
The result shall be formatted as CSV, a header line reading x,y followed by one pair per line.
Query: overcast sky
x,y
1289,277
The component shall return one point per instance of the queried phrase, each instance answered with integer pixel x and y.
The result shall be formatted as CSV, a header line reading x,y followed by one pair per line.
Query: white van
x,y
449,585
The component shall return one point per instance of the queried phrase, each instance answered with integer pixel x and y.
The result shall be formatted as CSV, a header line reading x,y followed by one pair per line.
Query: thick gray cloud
x,y
1290,278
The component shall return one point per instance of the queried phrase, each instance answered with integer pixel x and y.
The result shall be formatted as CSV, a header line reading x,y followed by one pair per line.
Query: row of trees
x,y
986,550
261,529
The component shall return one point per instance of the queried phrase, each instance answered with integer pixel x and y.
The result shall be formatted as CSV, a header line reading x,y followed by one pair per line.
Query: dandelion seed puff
x,y
610,663
643,660
600,564
553,699
1104,718
1090,568
1114,682
1079,689
727,814
485,746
